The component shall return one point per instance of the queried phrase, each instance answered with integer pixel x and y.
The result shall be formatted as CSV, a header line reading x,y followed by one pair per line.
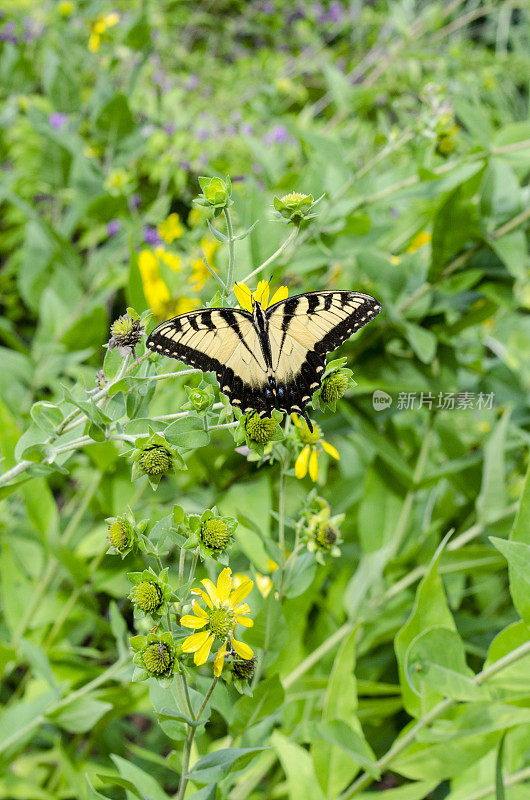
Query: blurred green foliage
x,y
412,119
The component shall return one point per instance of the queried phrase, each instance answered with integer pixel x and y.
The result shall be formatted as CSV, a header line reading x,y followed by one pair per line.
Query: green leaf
x,y
80,715
436,659
266,699
215,766
46,415
378,510
499,780
517,554
91,793
430,610
115,118
187,433
492,497
339,733
422,341
299,574
514,679
298,766
145,783
455,226
116,780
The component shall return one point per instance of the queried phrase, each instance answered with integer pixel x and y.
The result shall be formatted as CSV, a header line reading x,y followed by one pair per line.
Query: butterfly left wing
x,y
302,329
220,340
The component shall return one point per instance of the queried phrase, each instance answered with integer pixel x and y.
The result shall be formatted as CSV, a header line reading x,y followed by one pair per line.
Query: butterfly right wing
x,y
220,340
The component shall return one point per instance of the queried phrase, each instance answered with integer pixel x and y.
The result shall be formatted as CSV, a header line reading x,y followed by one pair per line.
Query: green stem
x,y
292,236
188,744
231,261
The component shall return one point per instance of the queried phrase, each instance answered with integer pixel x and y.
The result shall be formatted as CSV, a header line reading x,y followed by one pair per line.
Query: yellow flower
x,y
422,238
209,247
224,610
94,40
313,444
196,216
65,8
172,260
171,229
395,260
99,27
264,582
199,274
117,181
246,298
155,290
186,304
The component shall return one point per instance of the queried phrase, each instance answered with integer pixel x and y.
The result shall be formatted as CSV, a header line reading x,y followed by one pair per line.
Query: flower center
x,y
157,658
148,596
305,435
156,460
215,533
326,536
221,622
119,535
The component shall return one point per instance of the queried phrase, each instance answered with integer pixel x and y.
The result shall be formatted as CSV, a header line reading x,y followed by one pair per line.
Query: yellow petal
x,y
281,293
243,296
242,590
204,596
199,610
331,450
261,295
300,467
242,649
219,661
313,466
248,623
296,421
224,584
244,608
201,655
193,642
212,591
188,621
272,566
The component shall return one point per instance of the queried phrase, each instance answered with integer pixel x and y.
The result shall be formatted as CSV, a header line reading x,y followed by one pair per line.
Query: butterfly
x,y
268,358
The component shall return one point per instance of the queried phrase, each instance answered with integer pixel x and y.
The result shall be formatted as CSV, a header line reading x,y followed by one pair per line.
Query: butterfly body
x,y
270,358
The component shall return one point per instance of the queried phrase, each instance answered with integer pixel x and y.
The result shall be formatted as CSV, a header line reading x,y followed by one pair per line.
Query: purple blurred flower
x,y
236,117
278,134
170,128
247,129
335,11
191,83
135,200
267,7
203,134
113,227
230,130
257,169
32,29
7,34
151,235
186,165
58,120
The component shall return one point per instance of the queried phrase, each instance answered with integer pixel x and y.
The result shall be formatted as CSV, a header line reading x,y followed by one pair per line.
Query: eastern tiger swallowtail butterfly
x,y
270,358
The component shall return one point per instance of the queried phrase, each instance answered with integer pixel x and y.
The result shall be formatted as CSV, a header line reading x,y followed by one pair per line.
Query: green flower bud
x,y
221,622
156,460
295,206
121,534
215,192
325,536
260,429
244,670
445,144
199,399
126,333
215,533
334,386
158,659
148,596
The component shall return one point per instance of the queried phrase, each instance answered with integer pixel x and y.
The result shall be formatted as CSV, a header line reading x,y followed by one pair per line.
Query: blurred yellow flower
x,y
245,297
264,584
65,8
224,610
395,260
199,274
172,260
313,445
99,27
209,247
170,229
196,216
185,304
155,290
117,181
419,240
